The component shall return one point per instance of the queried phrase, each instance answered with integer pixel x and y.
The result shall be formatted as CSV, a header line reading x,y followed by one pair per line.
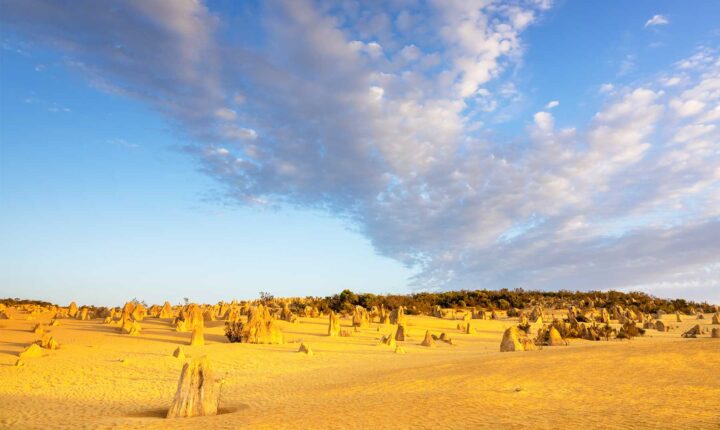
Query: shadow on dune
x,y
216,338
213,324
162,412
18,330
11,344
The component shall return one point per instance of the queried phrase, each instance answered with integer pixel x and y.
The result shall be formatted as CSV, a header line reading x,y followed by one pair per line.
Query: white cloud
x,y
410,53
374,49
672,81
544,121
552,104
693,131
685,108
656,20
606,88
396,148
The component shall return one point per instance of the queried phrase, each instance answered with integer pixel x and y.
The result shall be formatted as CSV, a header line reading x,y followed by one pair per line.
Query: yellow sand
x,y
103,379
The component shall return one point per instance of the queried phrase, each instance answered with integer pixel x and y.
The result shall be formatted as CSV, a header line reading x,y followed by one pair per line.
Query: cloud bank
x,y
377,115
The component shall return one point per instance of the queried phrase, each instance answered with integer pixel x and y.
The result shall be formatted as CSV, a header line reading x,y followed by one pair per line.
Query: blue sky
x,y
213,150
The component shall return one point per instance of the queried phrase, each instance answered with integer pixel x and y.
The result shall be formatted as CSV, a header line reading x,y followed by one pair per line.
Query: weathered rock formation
x,y
260,328
397,316
388,340
198,337
693,332
179,353
197,391
305,349
334,325
166,311
32,351
428,341
400,333
73,310
361,318
286,314
515,339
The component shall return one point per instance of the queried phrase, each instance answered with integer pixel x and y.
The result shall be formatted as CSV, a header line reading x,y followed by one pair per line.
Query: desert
x,y
358,214
295,371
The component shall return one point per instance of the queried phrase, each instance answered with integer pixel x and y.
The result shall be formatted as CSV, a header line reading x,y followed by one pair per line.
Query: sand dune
x,y
100,378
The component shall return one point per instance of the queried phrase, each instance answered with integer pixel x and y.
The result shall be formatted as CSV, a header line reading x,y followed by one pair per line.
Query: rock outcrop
x,y
197,391
428,340
515,339
198,336
32,351
305,349
693,332
179,353
166,311
334,325
260,328
361,318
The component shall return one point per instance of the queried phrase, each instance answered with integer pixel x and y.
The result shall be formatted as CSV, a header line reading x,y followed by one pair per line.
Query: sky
x,y
215,149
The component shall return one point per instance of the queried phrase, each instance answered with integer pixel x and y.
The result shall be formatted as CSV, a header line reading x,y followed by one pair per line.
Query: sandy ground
x,y
102,379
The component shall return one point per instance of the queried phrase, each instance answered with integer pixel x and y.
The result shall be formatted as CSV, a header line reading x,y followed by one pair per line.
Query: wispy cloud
x,y
656,20
627,65
50,106
123,143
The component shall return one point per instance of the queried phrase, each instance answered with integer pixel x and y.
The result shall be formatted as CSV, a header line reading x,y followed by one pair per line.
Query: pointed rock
x,y
400,333
554,337
179,353
198,338
32,351
334,325
389,340
305,349
428,341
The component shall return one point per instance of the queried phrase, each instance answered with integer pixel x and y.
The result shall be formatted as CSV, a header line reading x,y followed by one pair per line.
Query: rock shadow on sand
x,y
161,413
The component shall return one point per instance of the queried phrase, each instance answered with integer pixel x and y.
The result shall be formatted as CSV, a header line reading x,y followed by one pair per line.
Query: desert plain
x,y
102,378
